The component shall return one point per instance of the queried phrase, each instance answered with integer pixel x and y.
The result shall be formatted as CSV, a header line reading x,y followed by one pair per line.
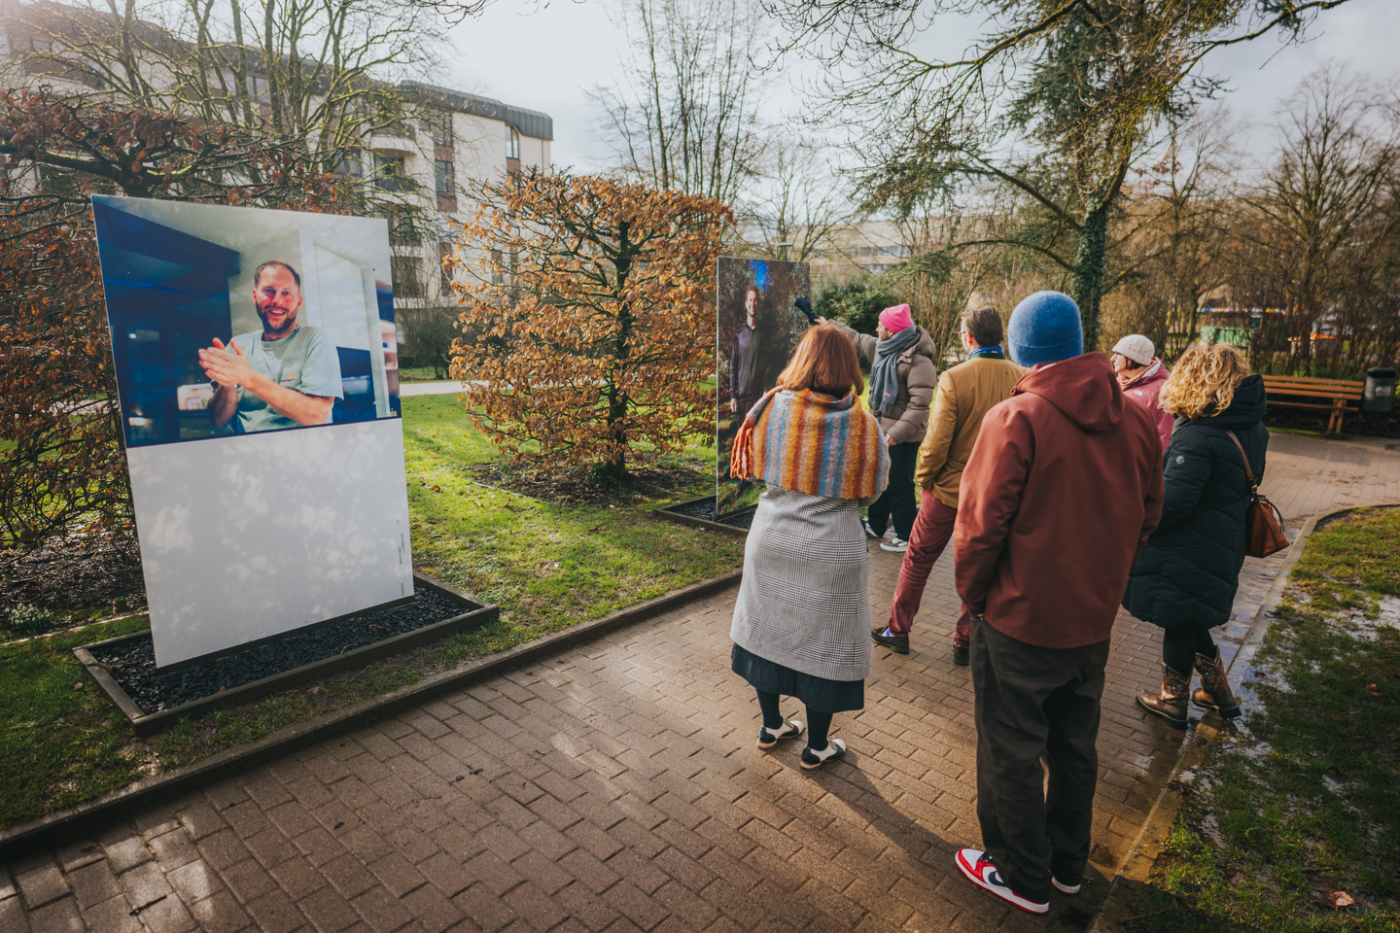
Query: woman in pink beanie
x,y
902,377
896,319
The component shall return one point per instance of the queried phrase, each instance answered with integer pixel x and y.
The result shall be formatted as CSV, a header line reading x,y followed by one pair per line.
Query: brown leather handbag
x,y
1263,525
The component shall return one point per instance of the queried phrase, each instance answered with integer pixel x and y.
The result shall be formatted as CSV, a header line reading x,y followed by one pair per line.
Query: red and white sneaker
x,y
983,872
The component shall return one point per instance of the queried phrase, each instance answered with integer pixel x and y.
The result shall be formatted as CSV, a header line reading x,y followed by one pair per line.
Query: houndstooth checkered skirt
x,y
803,601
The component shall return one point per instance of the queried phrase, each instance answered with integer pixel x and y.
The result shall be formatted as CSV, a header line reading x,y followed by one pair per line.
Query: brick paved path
x,y
616,787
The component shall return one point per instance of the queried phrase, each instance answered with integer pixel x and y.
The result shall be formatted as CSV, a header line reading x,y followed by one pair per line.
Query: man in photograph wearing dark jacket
x,y
1061,492
748,358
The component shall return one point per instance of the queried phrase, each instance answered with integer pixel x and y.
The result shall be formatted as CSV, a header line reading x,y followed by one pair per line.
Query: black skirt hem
x,y
818,693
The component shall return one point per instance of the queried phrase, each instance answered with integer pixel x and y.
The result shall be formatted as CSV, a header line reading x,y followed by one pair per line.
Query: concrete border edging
x,y
666,512
1136,866
476,613
56,828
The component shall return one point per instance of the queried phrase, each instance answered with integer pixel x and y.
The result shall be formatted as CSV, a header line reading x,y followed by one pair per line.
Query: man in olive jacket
x,y
965,394
906,350
1062,490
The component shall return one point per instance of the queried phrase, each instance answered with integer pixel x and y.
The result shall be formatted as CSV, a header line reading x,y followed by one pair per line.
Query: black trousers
x,y
1031,702
1181,645
897,502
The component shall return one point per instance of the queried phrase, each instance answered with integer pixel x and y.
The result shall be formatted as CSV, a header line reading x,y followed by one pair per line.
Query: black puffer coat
x,y
1189,571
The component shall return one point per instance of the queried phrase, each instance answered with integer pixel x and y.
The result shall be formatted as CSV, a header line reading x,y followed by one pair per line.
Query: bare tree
x,y
683,118
1085,82
1321,216
317,71
1177,215
795,203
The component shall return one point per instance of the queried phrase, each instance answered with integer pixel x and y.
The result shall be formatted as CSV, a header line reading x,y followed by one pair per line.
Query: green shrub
x,y
856,302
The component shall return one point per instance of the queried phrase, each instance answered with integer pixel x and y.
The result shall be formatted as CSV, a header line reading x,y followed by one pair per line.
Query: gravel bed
x,y
705,508
133,663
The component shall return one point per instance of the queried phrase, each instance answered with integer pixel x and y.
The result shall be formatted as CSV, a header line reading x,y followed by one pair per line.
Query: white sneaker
x,y
1065,888
896,544
983,872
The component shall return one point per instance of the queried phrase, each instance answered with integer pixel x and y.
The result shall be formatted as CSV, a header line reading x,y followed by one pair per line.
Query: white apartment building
x,y
454,139
466,138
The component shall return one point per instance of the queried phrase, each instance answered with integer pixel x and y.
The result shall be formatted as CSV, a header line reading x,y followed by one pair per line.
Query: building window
x,y
445,178
408,276
513,144
438,125
389,173
402,231
351,164
258,88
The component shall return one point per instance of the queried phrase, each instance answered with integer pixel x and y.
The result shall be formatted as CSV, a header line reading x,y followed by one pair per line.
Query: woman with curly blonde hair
x,y
1185,578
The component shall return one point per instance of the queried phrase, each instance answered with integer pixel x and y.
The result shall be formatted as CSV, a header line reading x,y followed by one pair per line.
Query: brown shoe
x,y
1215,692
1170,702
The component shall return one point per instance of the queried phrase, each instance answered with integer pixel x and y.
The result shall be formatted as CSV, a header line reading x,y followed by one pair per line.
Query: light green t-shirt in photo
x,y
306,362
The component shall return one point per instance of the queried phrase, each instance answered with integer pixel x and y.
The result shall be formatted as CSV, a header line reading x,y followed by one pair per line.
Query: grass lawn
x,y
1303,800
547,566
420,374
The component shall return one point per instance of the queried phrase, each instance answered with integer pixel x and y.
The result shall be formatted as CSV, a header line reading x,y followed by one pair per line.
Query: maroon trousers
x,y
933,529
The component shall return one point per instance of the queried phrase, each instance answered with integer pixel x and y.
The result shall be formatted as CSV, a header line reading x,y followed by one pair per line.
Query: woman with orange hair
x,y
802,618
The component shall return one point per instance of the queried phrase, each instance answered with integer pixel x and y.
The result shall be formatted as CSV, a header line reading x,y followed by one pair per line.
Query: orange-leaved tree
x,y
588,323
61,457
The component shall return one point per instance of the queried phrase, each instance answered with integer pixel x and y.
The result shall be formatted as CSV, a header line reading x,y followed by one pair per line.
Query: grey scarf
x,y
884,374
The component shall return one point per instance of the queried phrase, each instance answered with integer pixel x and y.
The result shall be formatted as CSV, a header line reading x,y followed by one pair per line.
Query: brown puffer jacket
x,y
917,377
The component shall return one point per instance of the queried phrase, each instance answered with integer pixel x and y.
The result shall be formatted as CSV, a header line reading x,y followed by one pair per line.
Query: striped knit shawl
x,y
812,443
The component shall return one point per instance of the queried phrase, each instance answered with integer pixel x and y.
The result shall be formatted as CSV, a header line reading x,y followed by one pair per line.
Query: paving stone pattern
x,y
616,787
1306,475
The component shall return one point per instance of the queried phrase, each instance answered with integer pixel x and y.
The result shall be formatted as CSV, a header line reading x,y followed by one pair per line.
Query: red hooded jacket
x,y
1063,487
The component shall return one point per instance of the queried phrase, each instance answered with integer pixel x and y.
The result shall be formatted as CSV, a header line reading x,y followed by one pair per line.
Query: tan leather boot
x,y
1169,702
1215,692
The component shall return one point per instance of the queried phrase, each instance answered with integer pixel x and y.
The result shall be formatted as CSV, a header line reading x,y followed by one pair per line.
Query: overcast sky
x,y
546,57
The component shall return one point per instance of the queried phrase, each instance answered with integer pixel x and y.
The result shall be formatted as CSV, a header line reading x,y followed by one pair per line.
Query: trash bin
x,y
1380,390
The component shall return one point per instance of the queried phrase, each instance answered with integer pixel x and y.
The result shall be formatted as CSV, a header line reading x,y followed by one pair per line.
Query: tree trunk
x,y
614,468
1089,272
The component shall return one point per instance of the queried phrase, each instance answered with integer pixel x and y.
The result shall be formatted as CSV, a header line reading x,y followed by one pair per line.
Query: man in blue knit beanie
x,y
1045,329
1060,493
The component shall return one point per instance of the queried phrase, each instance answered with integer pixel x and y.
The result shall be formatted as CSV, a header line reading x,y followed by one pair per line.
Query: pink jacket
x,y
1144,390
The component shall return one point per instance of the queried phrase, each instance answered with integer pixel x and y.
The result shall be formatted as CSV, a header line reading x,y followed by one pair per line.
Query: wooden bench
x,y
1334,395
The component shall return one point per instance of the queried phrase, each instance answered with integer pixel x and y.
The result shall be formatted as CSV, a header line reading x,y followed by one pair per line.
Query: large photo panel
x,y
265,533
233,320
757,328
257,379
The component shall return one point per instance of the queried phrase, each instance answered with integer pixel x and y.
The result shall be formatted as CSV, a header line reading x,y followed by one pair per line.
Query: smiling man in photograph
x,y
286,376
